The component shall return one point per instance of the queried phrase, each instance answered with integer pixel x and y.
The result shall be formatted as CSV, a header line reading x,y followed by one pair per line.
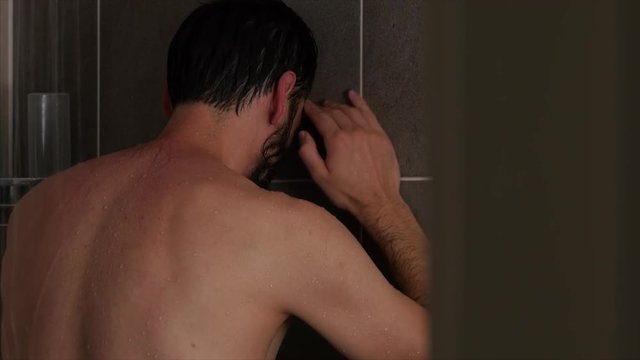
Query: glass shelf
x,y
13,189
19,181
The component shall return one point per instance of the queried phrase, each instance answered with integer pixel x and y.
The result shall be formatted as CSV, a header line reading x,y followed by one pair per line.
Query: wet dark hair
x,y
227,52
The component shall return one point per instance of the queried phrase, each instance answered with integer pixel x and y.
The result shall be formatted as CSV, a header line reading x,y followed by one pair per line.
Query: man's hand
x,y
360,173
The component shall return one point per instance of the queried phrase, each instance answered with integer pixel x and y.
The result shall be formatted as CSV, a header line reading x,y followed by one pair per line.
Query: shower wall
x,y
374,46
53,45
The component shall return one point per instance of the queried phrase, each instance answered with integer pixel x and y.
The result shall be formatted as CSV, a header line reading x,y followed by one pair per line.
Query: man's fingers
x,y
362,105
323,122
344,121
353,114
311,158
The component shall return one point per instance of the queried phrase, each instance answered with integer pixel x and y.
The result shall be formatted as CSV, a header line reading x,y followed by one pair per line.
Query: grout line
x,y
361,47
98,66
7,205
10,118
302,181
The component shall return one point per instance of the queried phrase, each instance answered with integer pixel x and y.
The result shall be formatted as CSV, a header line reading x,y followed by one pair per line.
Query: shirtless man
x,y
168,250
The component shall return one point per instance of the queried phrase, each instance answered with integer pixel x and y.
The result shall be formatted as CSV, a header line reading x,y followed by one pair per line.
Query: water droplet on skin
x,y
160,318
130,340
116,234
210,178
155,356
386,329
144,332
105,207
270,285
121,266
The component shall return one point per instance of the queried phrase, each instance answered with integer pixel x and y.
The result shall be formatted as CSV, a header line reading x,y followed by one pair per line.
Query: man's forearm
x,y
397,232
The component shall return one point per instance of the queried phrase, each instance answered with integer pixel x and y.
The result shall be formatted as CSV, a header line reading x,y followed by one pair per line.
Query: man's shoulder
x,y
301,215
272,213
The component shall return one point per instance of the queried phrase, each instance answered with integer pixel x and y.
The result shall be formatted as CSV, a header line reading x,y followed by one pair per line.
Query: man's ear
x,y
166,101
280,99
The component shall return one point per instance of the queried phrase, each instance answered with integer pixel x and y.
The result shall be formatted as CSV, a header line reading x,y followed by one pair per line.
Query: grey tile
x,y
336,26
419,197
135,40
394,77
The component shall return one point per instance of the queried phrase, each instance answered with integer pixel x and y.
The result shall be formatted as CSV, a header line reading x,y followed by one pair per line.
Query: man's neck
x,y
197,128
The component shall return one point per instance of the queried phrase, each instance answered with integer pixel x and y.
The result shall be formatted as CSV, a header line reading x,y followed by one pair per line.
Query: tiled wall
x,y
374,46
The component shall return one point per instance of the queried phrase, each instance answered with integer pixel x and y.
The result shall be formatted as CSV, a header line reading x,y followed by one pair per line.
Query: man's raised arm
x,y
361,174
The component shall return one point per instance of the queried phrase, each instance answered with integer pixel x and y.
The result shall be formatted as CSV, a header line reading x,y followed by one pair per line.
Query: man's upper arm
x,y
336,288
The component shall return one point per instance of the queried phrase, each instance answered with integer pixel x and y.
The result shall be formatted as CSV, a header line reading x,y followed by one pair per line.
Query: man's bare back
x,y
177,245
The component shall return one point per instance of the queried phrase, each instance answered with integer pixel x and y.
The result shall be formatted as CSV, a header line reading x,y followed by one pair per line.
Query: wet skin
x,y
164,262
163,252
